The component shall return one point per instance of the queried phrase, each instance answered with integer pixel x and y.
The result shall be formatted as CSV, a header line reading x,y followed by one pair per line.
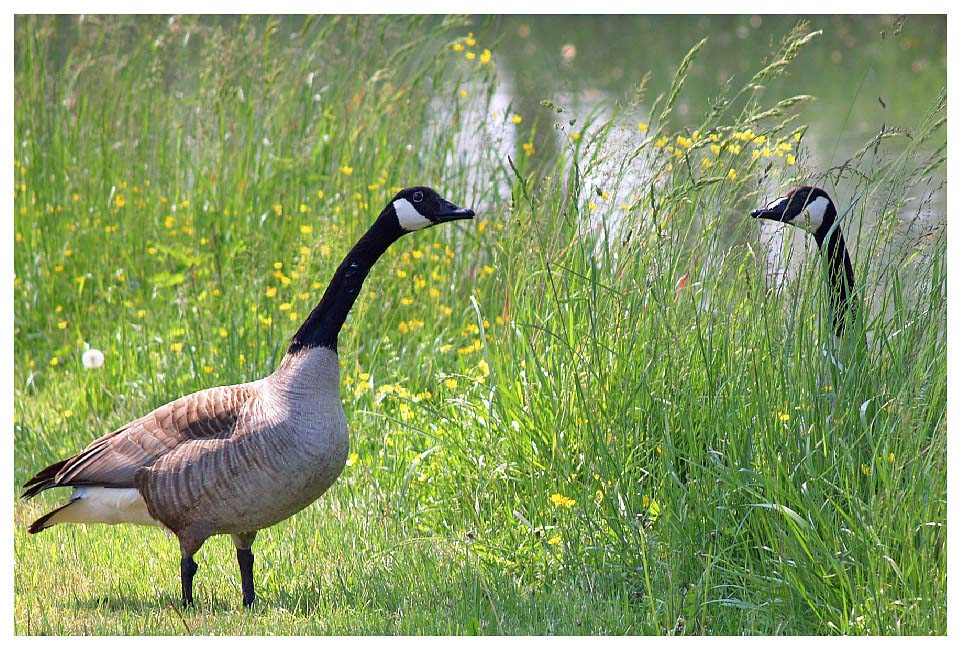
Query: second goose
x,y
811,209
236,459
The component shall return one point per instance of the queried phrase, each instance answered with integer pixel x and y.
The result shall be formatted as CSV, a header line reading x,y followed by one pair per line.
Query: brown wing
x,y
113,460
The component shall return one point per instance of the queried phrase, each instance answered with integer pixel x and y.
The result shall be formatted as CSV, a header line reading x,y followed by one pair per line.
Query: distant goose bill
x,y
811,209
236,459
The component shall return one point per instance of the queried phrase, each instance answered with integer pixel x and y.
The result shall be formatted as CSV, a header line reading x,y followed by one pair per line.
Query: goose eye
x,y
418,196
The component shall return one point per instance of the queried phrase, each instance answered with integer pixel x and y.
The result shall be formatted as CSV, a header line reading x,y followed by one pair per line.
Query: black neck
x,y
840,277
327,318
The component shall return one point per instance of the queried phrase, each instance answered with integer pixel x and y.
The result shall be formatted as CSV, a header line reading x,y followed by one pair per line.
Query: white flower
x,y
92,358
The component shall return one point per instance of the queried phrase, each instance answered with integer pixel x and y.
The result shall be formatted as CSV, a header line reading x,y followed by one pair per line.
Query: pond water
x,y
865,71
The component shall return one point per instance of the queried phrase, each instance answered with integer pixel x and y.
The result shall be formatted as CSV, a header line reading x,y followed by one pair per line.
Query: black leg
x,y
187,570
245,558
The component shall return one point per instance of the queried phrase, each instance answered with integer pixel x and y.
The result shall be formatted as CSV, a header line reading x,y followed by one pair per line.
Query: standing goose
x,y
236,459
811,208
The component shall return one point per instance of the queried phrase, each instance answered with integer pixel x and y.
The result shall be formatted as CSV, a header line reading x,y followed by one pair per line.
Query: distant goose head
x,y
805,207
416,208
811,209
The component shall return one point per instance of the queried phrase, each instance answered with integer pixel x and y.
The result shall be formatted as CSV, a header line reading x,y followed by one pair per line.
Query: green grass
x,y
588,411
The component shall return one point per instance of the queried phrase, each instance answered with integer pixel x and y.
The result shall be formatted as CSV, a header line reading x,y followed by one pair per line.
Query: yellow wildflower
x,y
347,170
306,229
731,174
528,148
790,159
516,119
562,501
783,417
470,40
176,347
642,127
470,56
485,56
457,47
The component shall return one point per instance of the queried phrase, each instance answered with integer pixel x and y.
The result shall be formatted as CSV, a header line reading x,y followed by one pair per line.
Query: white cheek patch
x,y
816,211
812,216
408,217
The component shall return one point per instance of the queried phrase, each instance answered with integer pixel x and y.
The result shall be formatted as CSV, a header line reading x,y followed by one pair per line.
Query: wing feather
x,y
114,459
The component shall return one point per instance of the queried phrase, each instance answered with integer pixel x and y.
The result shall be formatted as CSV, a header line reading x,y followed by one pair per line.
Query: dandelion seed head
x,y
92,358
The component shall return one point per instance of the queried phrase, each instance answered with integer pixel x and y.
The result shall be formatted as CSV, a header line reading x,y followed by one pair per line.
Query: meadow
x,y
602,407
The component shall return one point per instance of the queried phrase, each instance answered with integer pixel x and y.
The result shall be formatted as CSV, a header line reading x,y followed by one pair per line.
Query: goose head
x,y
416,208
809,208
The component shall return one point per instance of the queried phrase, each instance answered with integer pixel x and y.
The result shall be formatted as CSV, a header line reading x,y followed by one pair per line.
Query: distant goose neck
x,y
327,318
840,277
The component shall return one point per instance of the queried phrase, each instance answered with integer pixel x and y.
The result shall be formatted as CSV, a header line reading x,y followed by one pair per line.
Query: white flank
x,y
408,217
99,505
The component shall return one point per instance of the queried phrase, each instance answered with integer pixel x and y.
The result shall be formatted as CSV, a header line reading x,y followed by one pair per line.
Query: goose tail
x,y
44,479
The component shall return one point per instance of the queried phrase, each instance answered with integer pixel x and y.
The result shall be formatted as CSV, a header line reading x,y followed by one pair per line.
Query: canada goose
x,y
236,459
811,208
